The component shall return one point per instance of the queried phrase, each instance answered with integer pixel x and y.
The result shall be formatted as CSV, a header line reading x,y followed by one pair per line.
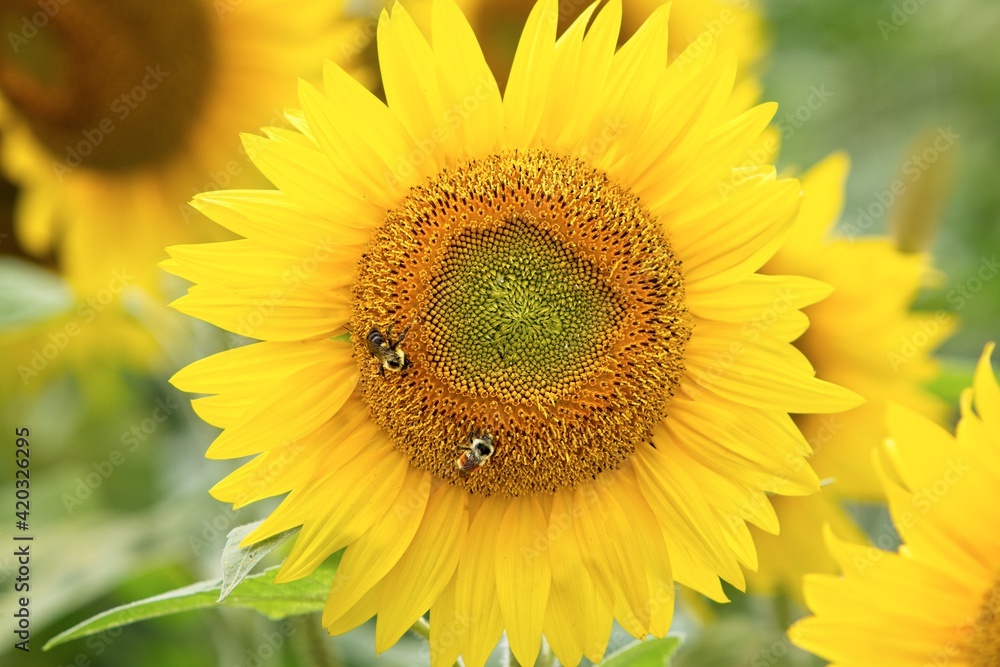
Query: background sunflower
x,y
110,123
938,597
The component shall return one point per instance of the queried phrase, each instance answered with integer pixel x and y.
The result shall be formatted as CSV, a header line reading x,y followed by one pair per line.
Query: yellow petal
x,y
612,553
294,408
287,467
247,261
565,85
361,451
522,564
369,559
822,203
468,89
731,242
987,392
275,220
355,498
759,301
266,311
258,365
579,617
312,181
416,580
362,611
577,112
761,373
348,144
447,628
476,583
376,124
633,84
530,75
653,549
688,521
409,77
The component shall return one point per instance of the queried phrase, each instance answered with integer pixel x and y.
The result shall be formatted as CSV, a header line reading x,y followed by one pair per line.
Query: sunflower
x,y
113,114
862,338
556,396
937,600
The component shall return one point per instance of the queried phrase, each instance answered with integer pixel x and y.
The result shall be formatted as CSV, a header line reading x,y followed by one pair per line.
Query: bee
x,y
476,453
387,350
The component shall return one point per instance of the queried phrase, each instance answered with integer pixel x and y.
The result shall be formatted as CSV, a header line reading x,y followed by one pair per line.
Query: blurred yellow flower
x,y
937,600
113,114
549,408
863,337
48,331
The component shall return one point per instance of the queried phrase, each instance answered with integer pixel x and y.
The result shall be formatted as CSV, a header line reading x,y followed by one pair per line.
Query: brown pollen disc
x,y
546,309
984,648
108,84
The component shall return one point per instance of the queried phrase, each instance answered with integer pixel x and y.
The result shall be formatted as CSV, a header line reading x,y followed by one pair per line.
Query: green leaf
x,y
652,653
258,592
237,563
30,294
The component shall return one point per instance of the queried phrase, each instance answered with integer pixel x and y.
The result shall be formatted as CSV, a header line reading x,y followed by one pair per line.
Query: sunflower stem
x,y
782,609
422,627
510,660
546,658
313,644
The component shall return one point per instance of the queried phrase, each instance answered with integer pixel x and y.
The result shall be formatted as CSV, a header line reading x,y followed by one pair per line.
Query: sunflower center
x,y
984,649
543,306
512,307
107,84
